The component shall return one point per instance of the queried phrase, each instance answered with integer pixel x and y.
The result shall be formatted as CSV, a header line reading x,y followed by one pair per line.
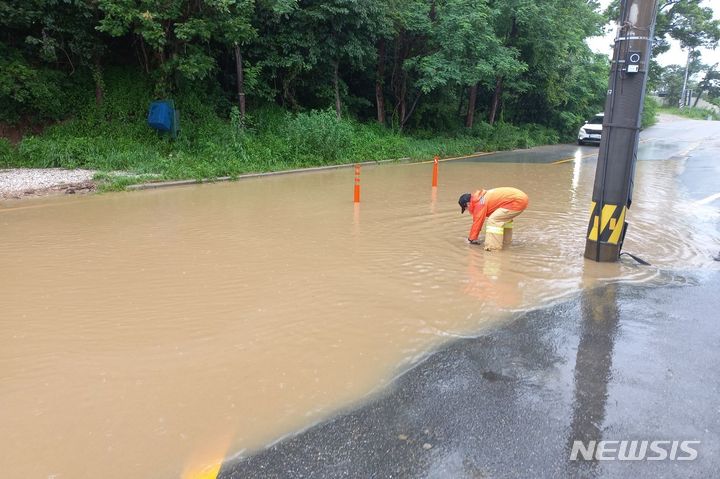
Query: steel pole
x,y
683,100
612,191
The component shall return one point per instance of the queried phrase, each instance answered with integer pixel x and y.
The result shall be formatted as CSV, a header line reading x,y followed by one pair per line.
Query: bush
x,y
6,153
317,135
649,113
375,142
38,93
504,136
693,113
115,137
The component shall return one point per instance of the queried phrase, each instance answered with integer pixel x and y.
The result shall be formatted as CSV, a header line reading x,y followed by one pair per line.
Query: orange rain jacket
x,y
483,203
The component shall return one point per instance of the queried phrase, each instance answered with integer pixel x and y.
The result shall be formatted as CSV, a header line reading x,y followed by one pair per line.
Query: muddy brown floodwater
x,y
151,334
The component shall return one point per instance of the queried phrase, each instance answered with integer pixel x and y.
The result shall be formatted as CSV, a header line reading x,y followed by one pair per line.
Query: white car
x,y
591,131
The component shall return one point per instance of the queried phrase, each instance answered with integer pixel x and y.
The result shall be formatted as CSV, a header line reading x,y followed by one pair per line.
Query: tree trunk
x,y
495,100
97,74
336,82
461,101
412,109
697,98
146,63
240,81
705,84
288,98
403,91
470,118
379,96
397,81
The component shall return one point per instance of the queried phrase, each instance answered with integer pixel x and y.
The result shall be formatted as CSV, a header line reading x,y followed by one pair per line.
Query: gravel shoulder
x,y
19,183
668,118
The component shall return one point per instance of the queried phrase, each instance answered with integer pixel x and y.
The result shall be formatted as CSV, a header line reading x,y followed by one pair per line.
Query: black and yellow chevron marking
x,y
606,226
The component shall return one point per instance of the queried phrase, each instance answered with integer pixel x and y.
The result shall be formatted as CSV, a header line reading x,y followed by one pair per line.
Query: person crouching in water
x,y
499,206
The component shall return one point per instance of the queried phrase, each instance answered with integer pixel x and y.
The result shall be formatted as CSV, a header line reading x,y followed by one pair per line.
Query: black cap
x,y
463,202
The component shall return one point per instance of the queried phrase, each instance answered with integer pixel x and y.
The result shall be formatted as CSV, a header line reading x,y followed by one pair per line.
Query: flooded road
x,y
152,334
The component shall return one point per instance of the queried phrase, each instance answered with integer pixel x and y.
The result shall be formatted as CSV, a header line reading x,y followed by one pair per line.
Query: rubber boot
x,y
493,238
507,234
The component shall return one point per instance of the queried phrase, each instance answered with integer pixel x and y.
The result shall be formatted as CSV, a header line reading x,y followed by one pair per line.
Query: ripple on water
x,y
221,308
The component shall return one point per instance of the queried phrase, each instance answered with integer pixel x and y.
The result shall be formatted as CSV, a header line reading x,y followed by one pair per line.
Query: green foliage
x,y
116,138
649,112
40,93
686,21
93,67
317,135
693,25
504,136
466,49
7,153
563,82
671,83
107,183
183,36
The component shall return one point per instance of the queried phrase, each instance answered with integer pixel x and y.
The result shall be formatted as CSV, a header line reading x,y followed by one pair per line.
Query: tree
x,y
671,83
411,25
326,37
180,33
709,83
465,51
425,64
346,35
44,43
550,38
236,31
58,33
694,27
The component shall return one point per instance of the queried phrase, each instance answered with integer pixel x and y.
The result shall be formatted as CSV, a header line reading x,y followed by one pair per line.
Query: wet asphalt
x,y
620,362
617,363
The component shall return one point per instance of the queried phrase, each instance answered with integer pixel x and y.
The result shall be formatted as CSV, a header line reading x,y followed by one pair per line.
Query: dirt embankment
x,y
14,133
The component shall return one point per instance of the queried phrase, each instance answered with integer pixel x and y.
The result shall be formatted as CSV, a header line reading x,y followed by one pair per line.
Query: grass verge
x,y
270,141
215,142
693,113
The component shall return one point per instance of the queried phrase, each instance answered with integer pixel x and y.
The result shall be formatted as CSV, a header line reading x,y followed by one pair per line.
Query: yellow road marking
x,y
572,158
206,461
207,472
484,153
